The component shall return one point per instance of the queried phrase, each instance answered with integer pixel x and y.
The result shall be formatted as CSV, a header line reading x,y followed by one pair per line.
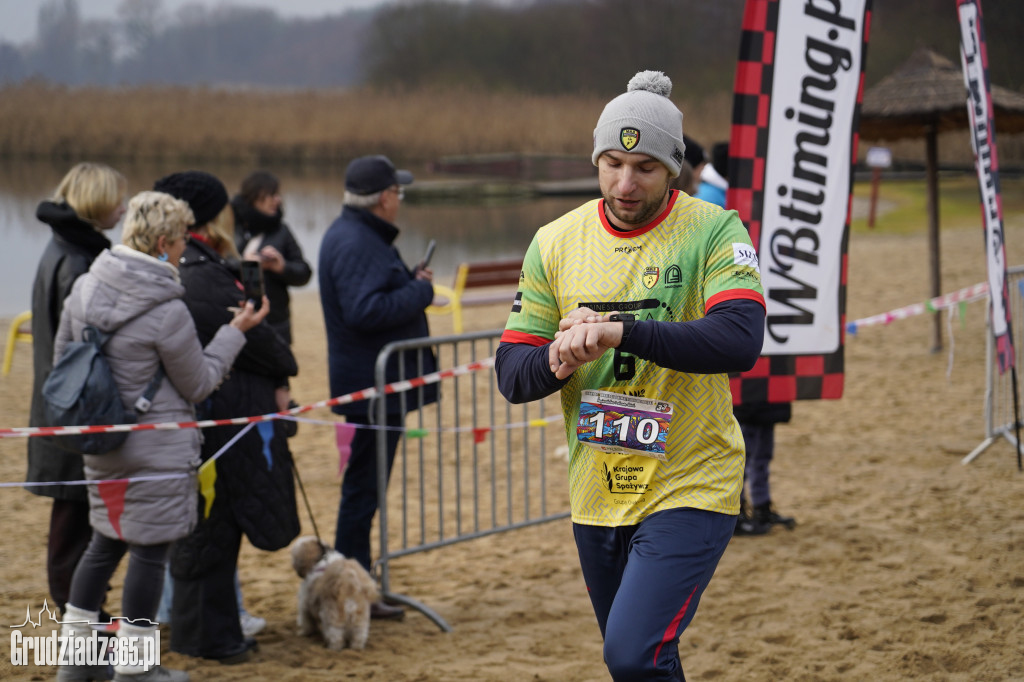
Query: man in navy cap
x,y
370,298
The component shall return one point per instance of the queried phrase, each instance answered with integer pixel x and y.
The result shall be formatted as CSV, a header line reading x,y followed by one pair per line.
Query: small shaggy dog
x,y
335,595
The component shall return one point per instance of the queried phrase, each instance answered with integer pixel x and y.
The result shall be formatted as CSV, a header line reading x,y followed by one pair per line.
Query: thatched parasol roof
x,y
928,90
922,98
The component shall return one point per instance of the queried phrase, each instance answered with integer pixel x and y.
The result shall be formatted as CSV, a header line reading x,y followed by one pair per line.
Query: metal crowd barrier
x,y
999,405
468,466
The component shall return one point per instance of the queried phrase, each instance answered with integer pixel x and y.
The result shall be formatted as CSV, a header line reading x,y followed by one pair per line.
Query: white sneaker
x,y
251,625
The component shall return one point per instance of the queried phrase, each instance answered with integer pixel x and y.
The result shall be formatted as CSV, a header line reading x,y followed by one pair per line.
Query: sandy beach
x,y
905,563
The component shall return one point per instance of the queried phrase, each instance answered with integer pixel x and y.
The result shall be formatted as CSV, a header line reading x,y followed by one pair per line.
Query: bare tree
x,y
56,50
141,21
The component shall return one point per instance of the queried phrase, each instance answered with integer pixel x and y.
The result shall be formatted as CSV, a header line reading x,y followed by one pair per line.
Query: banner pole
x,y
1016,414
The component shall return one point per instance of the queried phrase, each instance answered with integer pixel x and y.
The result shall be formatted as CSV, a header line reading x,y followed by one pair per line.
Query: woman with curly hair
x,y
133,294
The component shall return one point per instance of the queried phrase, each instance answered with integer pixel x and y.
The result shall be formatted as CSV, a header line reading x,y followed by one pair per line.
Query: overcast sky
x,y
18,17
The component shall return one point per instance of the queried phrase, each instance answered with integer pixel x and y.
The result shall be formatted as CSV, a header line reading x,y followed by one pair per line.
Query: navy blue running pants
x,y
645,582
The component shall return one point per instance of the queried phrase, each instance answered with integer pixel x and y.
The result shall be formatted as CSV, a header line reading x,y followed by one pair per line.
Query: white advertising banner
x,y
806,204
974,59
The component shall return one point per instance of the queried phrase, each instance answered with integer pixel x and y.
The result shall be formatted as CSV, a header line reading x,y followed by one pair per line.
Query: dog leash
x,y
309,510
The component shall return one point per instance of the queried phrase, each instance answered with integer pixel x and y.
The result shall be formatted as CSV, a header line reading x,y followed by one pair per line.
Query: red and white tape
x,y
365,394
965,295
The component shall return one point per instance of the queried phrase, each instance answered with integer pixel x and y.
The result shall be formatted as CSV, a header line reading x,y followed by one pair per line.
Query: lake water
x,y
312,200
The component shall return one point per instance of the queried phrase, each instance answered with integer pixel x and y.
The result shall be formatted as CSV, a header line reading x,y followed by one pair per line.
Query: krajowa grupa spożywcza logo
x,y
40,640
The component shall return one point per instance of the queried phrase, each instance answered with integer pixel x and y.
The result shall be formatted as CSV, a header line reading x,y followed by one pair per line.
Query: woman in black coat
x,y
261,235
89,201
254,490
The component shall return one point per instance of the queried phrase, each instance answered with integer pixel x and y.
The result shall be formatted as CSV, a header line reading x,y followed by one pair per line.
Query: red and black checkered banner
x,y
796,112
974,58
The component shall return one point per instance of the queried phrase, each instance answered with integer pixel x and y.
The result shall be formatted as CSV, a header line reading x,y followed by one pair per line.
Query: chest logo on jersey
x,y
630,138
651,275
673,276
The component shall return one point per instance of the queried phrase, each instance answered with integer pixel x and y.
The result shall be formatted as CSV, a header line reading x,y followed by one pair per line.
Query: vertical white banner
x,y
819,47
974,59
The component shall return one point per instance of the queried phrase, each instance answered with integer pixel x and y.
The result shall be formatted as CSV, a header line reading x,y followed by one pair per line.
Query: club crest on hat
x,y
651,276
630,138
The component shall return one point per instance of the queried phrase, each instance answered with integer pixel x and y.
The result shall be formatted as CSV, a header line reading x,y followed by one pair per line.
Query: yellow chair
x,y
494,277
14,334
452,299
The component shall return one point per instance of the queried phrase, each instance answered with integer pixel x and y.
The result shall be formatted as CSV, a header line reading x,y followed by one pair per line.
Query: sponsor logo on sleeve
x,y
744,254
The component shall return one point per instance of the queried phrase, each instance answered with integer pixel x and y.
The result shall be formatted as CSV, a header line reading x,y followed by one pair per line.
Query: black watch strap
x,y
627,320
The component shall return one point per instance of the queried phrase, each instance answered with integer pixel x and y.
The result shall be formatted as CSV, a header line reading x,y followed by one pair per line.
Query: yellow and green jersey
x,y
675,269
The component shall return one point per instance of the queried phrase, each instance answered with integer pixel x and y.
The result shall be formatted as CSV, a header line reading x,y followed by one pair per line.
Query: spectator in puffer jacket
x,y
133,293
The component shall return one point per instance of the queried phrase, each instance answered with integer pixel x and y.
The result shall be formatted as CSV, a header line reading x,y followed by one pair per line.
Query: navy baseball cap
x,y
372,174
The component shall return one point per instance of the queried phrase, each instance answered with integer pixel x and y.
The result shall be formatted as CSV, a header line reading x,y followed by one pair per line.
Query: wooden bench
x,y
494,282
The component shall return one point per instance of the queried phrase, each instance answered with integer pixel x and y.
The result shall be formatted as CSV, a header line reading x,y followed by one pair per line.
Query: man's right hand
x,y
582,342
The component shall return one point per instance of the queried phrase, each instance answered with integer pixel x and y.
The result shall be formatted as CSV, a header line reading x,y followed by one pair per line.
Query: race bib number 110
x,y
618,423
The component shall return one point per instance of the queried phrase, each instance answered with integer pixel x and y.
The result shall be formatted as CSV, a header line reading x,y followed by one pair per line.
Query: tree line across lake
x,y
533,46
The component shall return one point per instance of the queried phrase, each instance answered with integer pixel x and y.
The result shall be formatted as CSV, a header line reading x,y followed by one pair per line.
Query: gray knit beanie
x,y
643,120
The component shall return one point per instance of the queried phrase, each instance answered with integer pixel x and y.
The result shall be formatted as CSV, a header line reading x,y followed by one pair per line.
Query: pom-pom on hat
x,y
203,192
643,120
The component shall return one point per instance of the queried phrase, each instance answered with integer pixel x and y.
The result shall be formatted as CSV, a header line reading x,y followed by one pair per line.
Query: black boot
x,y
765,514
746,524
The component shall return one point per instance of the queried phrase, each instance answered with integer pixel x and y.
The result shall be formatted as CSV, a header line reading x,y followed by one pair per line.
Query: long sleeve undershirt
x,y
727,339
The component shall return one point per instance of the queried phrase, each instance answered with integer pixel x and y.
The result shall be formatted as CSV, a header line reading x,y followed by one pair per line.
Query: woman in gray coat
x,y
133,294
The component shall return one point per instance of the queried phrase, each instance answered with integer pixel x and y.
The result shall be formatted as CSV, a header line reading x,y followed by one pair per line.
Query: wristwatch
x,y
627,320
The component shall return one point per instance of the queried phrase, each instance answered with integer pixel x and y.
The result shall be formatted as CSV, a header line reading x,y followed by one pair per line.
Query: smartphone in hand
x,y
252,282
425,263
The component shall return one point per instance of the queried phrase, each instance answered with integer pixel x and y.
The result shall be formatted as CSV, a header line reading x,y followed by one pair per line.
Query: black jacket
x,y
71,250
250,223
369,299
763,413
254,489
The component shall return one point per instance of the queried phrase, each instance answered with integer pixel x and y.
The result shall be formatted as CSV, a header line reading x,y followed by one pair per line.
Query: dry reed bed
x,y
175,124
311,126
321,126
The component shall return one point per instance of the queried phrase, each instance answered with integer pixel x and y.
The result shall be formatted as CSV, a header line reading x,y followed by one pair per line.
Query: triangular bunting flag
x,y
207,479
266,430
480,435
344,433
112,494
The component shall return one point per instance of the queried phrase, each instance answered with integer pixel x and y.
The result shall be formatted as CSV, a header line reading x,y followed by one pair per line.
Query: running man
x,y
636,306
